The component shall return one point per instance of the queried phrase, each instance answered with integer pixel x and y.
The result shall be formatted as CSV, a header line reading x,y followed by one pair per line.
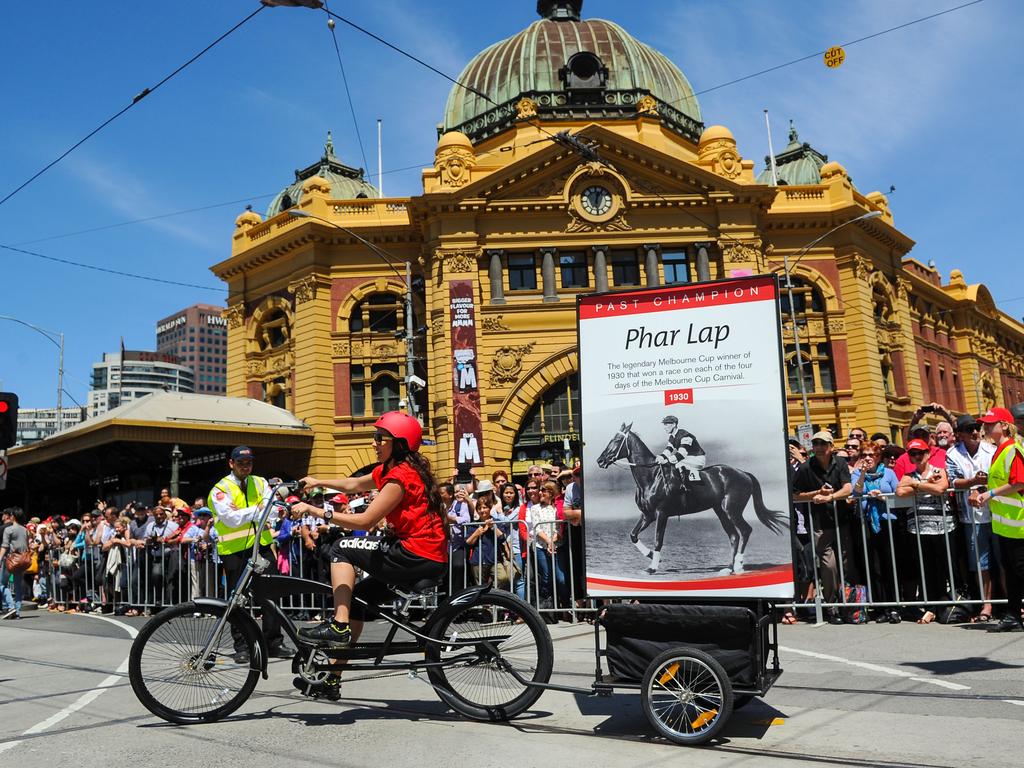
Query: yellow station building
x,y
514,222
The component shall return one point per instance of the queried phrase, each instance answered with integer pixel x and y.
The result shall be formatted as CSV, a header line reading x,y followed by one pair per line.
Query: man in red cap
x,y
1005,499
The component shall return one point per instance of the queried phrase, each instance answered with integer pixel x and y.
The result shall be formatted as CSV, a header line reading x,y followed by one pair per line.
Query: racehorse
x,y
661,494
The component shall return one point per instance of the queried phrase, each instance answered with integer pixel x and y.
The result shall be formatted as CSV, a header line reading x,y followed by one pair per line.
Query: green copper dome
x,y
347,183
570,68
796,164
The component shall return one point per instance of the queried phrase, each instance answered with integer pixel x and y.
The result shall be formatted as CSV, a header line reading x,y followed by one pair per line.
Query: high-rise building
x,y
35,424
115,382
197,336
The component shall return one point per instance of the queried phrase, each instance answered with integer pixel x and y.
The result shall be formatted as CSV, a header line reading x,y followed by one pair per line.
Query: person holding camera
x,y
929,521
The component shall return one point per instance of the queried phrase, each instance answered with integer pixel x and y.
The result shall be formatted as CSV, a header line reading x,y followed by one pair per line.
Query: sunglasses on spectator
x,y
852,446
916,454
380,437
820,442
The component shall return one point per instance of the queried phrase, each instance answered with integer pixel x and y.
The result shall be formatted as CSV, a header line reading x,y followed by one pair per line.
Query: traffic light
x,y
8,419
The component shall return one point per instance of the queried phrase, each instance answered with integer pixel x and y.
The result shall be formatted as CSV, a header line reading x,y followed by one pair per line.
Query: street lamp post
x,y
410,353
59,343
792,308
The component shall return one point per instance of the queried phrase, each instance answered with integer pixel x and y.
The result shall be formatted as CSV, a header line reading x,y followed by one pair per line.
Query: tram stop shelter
x,y
131,452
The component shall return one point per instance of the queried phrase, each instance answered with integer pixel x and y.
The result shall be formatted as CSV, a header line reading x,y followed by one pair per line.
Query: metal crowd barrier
x,y
154,576
898,568
547,581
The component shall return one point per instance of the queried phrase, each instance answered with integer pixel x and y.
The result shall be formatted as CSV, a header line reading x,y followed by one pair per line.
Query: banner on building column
x,y
468,431
684,428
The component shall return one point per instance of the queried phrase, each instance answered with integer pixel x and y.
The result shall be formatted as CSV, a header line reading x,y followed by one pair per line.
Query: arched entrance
x,y
550,428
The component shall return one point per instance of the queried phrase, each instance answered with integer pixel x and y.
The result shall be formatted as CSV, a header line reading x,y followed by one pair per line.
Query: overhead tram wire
x,y
822,53
110,271
135,100
145,219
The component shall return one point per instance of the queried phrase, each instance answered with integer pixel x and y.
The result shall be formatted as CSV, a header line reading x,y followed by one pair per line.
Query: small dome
x,y
796,164
248,218
568,67
346,183
715,132
832,169
454,139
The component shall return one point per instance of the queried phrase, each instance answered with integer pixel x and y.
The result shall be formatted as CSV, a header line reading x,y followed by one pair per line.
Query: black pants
x,y
234,564
1011,555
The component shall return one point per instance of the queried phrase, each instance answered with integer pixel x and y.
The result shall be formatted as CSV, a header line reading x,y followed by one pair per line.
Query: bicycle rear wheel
x,y
169,676
478,683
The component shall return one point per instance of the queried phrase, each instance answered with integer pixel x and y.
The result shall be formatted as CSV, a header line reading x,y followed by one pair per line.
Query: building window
x,y
357,390
274,330
384,388
625,268
377,313
806,297
573,266
522,273
383,385
676,267
793,371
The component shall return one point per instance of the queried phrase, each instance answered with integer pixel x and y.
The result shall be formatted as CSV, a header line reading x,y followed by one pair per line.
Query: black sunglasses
x,y
918,454
380,437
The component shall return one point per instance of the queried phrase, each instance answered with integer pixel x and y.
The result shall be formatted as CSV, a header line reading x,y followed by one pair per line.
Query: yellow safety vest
x,y
1007,511
231,540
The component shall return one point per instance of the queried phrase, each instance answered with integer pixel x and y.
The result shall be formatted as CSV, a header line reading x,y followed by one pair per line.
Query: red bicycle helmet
x,y
398,424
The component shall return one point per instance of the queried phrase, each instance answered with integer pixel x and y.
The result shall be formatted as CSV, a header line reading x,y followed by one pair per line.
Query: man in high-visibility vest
x,y
237,502
1005,497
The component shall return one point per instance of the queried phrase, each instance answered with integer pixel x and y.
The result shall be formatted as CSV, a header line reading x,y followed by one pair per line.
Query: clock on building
x,y
596,201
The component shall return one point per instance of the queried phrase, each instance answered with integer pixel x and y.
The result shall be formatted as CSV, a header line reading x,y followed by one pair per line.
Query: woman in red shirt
x,y
415,546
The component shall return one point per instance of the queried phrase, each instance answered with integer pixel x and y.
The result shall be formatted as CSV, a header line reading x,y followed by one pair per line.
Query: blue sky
x,y
933,109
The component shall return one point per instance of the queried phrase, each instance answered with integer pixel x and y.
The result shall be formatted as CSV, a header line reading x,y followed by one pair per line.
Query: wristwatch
x,y
328,515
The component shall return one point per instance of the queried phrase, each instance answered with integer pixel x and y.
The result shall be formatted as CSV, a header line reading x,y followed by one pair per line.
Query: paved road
x,y
902,695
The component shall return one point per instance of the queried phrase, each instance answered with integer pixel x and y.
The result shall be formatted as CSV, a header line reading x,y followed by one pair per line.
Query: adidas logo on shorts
x,y
358,543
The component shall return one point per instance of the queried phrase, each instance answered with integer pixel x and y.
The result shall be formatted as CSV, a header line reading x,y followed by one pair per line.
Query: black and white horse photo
x,y
661,493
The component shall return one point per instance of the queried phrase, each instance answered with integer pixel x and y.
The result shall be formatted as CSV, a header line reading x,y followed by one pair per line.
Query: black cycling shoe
x,y
329,689
327,635
281,651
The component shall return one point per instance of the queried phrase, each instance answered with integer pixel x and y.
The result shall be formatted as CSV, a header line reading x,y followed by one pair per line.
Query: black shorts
x,y
387,563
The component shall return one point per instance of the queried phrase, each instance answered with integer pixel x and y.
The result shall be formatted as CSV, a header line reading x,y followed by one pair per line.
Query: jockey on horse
x,y
683,452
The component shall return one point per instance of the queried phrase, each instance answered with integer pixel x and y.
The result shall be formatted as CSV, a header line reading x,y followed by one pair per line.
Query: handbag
x,y
18,562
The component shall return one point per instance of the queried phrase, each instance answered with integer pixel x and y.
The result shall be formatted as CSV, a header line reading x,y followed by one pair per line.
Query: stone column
x,y
547,273
600,268
652,265
496,274
703,264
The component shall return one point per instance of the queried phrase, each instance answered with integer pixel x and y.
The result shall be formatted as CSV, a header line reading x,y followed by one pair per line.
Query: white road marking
x,y
943,683
86,698
862,664
878,668
1014,701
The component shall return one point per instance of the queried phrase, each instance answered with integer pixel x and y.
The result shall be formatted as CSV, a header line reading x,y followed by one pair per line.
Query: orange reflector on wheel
x,y
704,718
669,673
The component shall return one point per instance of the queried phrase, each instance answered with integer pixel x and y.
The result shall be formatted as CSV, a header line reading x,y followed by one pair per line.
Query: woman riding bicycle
x,y
416,547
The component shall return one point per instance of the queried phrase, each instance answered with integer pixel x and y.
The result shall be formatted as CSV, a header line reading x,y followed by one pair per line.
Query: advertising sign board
x,y
684,429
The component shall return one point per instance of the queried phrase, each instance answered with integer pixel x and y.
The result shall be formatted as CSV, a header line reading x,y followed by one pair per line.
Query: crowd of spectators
x,y
906,529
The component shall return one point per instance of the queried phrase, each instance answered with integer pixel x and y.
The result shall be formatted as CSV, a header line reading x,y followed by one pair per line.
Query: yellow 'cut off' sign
x,y
834,56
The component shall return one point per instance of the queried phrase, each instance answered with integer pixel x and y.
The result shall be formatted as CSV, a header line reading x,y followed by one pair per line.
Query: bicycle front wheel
x,y
476,680
173,681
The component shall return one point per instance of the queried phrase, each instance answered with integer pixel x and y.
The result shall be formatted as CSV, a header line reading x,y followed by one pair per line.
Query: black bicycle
x,y
487,654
